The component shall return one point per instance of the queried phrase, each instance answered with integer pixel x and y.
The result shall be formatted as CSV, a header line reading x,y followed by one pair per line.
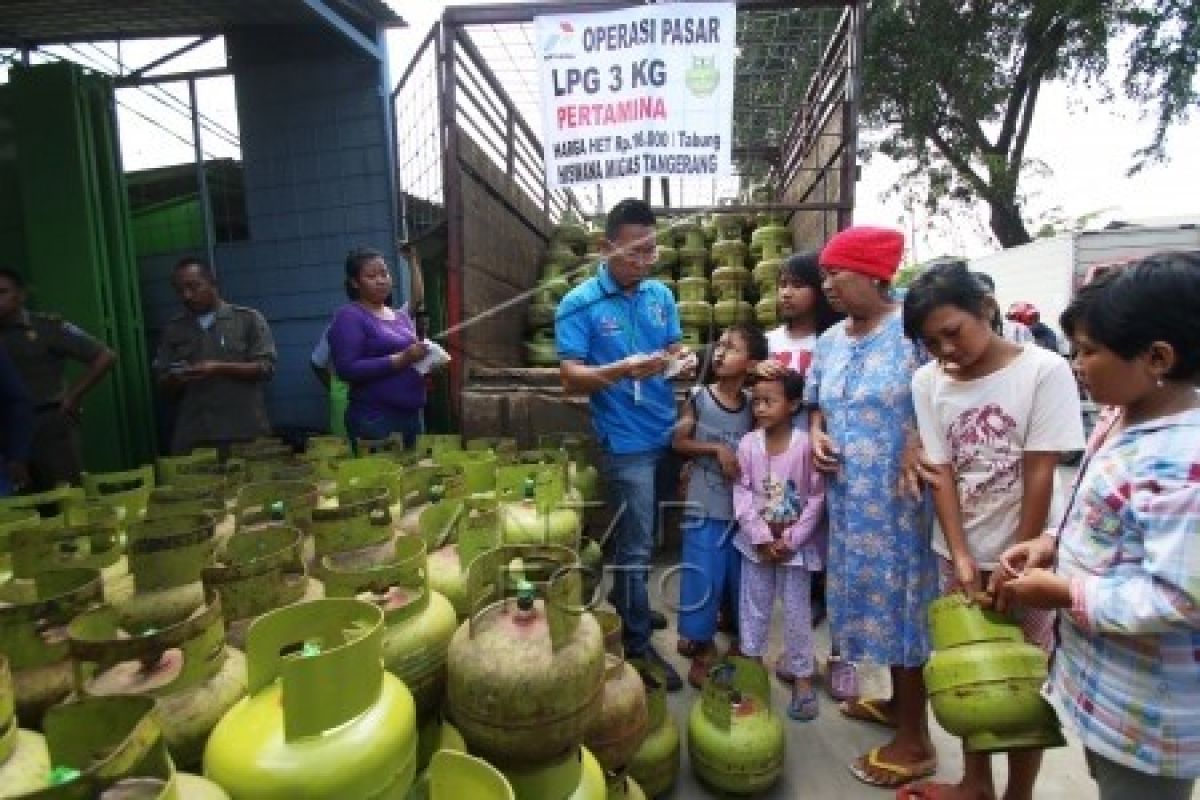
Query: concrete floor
x,y
819,752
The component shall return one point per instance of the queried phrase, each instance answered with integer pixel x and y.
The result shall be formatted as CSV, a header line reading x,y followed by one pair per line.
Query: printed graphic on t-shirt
x,y
984,434
795,360
782,504
658,314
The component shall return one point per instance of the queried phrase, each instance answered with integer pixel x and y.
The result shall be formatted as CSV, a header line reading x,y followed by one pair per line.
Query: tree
x,y
953,84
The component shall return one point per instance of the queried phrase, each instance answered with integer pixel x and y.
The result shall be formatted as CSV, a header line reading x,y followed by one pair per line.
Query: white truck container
x,y
1047,272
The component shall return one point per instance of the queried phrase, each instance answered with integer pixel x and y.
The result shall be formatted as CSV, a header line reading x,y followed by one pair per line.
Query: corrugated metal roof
x,y
36,22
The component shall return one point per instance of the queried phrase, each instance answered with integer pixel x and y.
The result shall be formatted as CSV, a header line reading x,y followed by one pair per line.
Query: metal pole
x,y
202,180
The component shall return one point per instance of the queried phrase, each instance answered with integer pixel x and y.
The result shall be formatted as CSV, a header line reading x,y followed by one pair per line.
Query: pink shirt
x,y
763,478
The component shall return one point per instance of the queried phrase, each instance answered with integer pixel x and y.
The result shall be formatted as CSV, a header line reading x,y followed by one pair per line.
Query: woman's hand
x,y
825,456
409,355
1035,588
730,467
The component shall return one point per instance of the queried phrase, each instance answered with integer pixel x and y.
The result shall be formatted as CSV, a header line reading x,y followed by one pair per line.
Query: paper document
x,y
436,356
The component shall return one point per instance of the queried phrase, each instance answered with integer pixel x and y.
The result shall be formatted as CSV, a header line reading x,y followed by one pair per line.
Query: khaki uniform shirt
x,y
40,346
218,409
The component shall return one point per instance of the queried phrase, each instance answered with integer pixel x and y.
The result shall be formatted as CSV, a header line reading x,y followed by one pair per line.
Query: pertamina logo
x,y
559,40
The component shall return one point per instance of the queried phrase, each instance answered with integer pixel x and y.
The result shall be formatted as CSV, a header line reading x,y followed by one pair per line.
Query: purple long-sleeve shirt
x,y
805,535
362,345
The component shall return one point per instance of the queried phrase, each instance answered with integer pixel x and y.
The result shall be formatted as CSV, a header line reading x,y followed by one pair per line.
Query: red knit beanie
x,y
874,252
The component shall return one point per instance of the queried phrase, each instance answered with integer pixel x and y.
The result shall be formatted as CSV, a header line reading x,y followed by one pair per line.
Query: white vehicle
x,y
1047,272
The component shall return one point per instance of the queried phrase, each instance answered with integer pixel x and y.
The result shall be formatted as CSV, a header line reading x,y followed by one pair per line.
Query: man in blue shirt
x,y
617,333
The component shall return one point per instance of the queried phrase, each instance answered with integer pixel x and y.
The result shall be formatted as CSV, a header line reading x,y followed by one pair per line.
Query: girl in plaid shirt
x,y
1125,569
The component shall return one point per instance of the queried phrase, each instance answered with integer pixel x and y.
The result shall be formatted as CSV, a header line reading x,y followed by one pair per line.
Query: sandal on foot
x,y
896,775
804,706
868,711
689,648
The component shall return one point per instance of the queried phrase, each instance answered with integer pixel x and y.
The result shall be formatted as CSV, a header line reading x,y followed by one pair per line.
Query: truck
x,y
475,203
1047,272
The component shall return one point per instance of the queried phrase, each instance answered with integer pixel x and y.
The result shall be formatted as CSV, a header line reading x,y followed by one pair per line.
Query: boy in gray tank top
x,y
711,423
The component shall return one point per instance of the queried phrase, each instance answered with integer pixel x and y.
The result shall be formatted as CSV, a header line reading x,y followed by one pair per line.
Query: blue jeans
x,y
373,423
632,484
710,574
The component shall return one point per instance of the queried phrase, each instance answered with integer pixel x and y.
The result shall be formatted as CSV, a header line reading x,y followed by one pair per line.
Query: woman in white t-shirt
x,y
994,417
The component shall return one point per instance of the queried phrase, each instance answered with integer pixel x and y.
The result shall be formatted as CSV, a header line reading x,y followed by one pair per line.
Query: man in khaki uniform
x,y
40,346
214,357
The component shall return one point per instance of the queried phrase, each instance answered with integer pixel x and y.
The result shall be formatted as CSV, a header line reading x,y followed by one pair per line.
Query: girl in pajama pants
x,y
778,502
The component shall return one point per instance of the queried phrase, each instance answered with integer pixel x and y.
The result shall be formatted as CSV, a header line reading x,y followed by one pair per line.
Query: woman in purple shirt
x,y
374,348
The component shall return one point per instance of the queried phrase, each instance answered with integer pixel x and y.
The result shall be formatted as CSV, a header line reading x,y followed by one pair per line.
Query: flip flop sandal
x,y
804,707
897,774
867,711
784,677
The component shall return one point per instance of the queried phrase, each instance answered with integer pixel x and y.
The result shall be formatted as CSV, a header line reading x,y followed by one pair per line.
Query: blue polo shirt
x,y
598,324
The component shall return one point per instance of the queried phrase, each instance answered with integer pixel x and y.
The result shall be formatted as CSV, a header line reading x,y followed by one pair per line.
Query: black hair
x,y
948,283
1156,299
754,337
356,259
13,277
629,211
805,269
202,266
793,384
988,282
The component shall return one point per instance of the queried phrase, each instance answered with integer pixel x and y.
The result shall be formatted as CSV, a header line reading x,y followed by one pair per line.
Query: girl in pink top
x,y
778,504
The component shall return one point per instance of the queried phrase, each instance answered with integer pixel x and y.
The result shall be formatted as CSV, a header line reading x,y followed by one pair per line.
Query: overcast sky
x,y
1085,144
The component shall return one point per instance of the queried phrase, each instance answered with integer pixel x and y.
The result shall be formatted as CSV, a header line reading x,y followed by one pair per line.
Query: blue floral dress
x,y
881,570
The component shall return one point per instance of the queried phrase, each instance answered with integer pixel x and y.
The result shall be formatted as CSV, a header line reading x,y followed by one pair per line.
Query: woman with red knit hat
x,y
881,570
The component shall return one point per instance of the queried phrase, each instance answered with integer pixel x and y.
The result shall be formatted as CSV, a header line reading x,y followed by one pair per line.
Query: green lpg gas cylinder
x,y
93,545
186,667
112,748
33,620
985,681
655,765
526,673
323,718
24,759
166,468
360,523
370,472
476,530
539,513
55,507
617,733
199,494
127,491
735,739
419,621
434,735
454,775
623,787
478,467
14,520
575,776
273,502
259,571
166,557
541,349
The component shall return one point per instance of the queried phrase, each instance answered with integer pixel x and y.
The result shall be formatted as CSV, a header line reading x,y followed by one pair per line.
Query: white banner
x,y
646,91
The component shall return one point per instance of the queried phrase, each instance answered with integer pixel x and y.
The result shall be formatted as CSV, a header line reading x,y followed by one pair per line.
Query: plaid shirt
x,y
1127,670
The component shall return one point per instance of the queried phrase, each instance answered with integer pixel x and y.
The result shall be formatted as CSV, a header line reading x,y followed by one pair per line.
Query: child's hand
x,y
1033,554
966,574
783,553
1036,588
766,551
769,369
730,467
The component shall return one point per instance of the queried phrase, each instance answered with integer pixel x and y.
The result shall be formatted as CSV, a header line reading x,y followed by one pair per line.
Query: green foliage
x,y
953,84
